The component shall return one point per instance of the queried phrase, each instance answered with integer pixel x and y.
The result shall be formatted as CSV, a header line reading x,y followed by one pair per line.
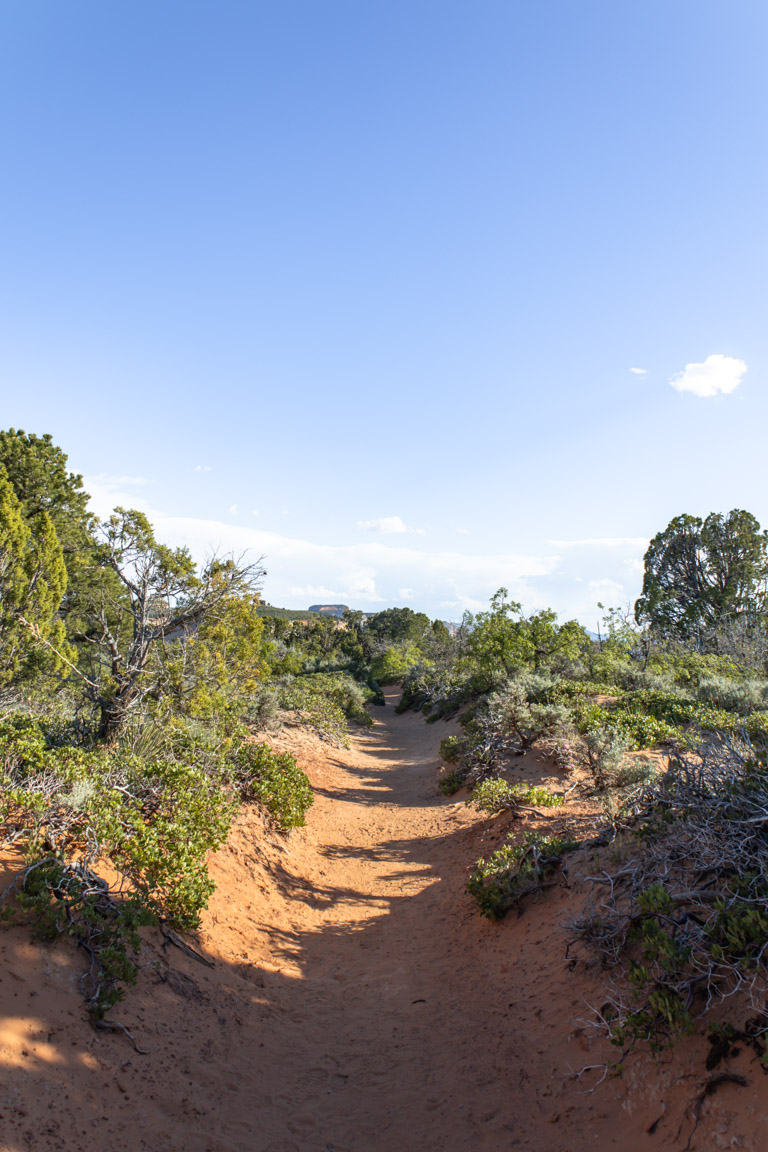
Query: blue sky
x,y
361,286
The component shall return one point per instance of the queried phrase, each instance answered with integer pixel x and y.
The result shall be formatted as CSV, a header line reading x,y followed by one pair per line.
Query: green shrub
x,y
396,662
510,717
326,701
454,748
515,871
739,696
274,780
438,691
155,820
59,898
495,795
756,727
452,780
684,921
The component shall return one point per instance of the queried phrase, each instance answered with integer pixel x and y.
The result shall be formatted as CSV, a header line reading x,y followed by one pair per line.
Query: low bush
x,y
606,752
325,702
633,772
437,691
454,749
155,820
494,796
274,780
452,780
685,927
512,720
739,696
516,871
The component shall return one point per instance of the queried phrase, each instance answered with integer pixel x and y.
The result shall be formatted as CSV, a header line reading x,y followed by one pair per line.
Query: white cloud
x,y
464,603
379,570
634,542
639,371
607,590
233,509
203,468
108,492
119,481
717,374
388,526
362,584
463,531
301,572
316,593
254,511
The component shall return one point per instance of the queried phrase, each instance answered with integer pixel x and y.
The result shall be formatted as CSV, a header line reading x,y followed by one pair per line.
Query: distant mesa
x,y
336,610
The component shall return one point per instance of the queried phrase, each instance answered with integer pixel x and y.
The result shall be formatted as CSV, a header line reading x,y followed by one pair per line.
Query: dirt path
x,y
403,1023
358,1003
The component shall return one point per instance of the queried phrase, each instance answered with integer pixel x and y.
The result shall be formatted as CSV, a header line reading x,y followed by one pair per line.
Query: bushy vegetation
x,y
152,819
516,871
681,921
497,795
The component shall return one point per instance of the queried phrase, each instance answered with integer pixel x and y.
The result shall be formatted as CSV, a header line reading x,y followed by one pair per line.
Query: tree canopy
x,y
502,640
37,470
32,583
703,574
161,595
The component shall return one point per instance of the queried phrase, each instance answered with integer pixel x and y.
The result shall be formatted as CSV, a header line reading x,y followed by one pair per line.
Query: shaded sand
x,y
359,1003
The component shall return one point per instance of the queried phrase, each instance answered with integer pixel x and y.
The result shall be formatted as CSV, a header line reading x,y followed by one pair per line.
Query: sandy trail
x,y
358,1004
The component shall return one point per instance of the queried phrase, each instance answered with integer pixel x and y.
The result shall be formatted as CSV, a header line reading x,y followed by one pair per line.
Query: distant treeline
x,y
286,613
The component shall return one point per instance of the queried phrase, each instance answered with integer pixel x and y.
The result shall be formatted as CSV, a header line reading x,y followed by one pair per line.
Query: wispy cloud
x,y
381,569
117,481
373,571
388,526
610,591
233,510
633,542
463,531
717,375
639,371
203,468
108,492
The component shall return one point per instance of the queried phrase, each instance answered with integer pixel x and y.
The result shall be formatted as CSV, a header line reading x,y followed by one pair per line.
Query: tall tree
x,y
702,575
37,470
161,595
32,583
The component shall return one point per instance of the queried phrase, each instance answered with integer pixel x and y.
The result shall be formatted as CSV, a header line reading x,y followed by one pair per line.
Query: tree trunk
x,y
114,713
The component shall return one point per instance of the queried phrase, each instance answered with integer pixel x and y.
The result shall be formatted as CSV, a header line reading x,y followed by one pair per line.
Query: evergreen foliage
x,y
33,580
701,575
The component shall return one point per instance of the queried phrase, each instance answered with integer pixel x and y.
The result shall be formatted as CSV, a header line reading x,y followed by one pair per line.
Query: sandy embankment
x,y
358,1003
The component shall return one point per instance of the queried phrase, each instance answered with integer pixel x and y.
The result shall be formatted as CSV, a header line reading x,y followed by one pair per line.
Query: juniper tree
x,y
161,596
33,580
